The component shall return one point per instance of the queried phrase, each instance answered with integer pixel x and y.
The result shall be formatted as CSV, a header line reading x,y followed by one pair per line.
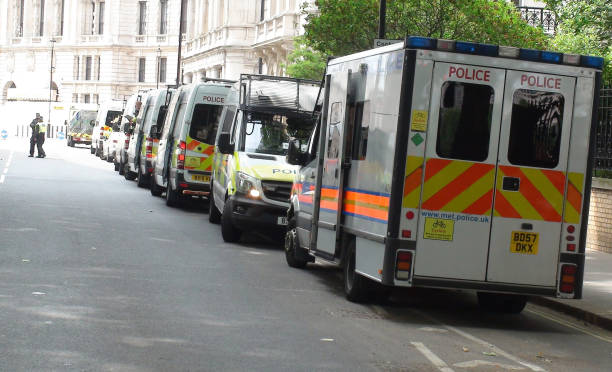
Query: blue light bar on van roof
x,y
552,57
419,42
475,48
530,54
592,61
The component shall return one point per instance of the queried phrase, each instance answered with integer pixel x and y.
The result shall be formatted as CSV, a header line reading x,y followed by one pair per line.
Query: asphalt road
x,y
97,275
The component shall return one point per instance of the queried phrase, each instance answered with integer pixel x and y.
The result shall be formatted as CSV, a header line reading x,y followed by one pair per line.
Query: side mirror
x,y
154,131
224,145
294,155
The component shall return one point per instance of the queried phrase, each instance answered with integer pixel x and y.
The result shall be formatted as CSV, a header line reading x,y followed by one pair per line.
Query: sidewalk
x,y
596,304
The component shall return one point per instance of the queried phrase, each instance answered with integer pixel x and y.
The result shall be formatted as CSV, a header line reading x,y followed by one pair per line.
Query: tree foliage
x,y
304,62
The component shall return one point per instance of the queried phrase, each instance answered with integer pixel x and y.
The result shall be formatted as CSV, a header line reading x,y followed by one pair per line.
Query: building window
x,y
19,26
97,67
75,68
183,16
85,98
163,17
96,99
162,69
141,70
263,10
61,30
92,29
142,17
88,68
101,18
41,21
75,98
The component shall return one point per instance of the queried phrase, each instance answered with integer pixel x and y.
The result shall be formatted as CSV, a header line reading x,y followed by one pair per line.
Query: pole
x,y
50,87
180,43
382,19
158,66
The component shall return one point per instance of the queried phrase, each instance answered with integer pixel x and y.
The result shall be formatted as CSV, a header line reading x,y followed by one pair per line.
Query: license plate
x,y
524,242
200,178
282,221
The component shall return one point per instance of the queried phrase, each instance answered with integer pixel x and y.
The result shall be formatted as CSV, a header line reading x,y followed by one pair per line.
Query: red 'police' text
x,y
469,73
541,81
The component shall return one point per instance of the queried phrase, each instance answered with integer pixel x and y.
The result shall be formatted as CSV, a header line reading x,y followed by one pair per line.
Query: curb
x,y
581,314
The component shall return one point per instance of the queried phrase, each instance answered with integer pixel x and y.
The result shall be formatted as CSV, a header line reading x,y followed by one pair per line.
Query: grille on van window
x,y
277,190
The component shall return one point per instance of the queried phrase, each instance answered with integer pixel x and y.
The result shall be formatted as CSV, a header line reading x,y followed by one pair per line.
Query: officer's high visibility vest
x,y
42,128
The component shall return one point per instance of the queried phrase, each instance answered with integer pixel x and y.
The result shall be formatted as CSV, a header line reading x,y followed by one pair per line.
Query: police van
x,y
450,164
80,128
251,178
120,139
186,145
108,113
144,138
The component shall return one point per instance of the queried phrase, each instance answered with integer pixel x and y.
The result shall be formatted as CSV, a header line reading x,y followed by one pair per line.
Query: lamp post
x,y
382,19
50,87
180,43
158,66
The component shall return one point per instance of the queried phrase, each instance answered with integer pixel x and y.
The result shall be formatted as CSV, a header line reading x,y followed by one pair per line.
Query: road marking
x,y
2,178
5,171
484,343
570,325
433,358
478,363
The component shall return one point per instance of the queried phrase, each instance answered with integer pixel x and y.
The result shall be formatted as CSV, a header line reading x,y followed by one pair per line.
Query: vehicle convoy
x,y
186,144
108,113
251,181
80,128
144,138
119,140
450,164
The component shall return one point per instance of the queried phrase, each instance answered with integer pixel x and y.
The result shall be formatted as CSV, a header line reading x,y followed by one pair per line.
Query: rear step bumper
x,y
483,286
194,192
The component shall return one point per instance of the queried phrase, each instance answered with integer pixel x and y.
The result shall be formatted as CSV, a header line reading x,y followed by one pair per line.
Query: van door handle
x,y
511,184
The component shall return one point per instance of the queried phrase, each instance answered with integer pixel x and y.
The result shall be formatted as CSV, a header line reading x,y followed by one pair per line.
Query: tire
x,y
122,168
116,166
128,174
109,158
356,287
229,232
173,198
155,189
501,303
291,246
142,180
214,215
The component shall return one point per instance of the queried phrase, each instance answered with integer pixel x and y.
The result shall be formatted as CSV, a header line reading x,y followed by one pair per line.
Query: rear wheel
x,y
229,232
214,215
356,287
501,303
116,165
122,168
291,247
155,189
172,196
141,179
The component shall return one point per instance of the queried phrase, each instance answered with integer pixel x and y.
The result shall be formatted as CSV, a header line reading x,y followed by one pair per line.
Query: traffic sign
x,y
60,135
3,134
384,42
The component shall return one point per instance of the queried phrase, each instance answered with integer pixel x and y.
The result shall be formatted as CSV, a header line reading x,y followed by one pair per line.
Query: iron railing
x,y
539,17
603,141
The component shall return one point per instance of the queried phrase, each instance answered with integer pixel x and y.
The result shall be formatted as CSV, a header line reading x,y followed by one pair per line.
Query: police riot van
x,y
186,145
80,128
144,138
109,112
450,164
120,140
251,178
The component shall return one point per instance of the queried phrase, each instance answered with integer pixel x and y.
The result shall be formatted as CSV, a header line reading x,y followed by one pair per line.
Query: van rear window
x,y
464,124
535,130
204,122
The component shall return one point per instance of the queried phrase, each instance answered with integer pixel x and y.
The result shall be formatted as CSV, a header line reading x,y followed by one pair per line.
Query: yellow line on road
x,y
570,325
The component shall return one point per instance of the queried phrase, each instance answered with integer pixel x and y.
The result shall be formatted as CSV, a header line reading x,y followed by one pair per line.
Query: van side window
x,y
161,118
204,122
230,112
178,120
464,123
535,129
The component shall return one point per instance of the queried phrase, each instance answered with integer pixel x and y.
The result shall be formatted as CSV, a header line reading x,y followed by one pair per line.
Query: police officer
x,y
35,129
40,139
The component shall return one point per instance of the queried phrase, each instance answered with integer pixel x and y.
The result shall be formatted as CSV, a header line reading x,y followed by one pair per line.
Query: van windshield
x,y
112,117
204,122
270,134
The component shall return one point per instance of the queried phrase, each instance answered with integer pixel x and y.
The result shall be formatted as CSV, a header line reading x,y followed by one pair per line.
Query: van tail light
x,y
403,265
127,143
568,278
149,148
180,163
101,134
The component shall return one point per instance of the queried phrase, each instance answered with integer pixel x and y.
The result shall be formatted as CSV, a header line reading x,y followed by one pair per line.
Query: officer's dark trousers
x,y
40,140
32,144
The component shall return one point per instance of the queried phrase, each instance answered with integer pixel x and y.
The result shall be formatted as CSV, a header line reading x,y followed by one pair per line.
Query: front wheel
x,y
501,303
172,196
155,189
214,215
141,179
291,247
229,232
356,287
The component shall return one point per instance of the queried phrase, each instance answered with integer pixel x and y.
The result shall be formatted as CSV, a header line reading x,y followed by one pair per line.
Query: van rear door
x,y
532,180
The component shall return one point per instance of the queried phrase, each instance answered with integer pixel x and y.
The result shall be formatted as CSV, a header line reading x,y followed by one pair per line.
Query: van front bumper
x,y
249,214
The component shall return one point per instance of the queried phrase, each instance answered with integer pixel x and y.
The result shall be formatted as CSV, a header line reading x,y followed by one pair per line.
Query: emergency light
x,y
534,55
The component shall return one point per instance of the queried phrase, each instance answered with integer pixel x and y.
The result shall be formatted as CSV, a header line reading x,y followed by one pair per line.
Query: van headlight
x,y
248,185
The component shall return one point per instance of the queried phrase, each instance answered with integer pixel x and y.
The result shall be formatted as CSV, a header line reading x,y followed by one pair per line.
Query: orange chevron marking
x,y
457,186
504,207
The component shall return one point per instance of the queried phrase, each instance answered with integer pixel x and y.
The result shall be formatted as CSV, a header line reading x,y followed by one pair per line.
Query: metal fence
x,y
53,131
603,143
539,17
